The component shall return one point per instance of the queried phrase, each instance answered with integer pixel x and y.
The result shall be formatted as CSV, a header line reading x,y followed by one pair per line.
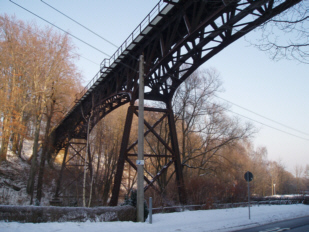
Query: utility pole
x,y
140,155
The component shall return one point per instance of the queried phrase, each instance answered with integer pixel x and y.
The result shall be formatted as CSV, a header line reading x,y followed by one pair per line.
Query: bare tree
x,y
204,132
299,174
13,94
203,126
38,77
259,166
105,146
286,35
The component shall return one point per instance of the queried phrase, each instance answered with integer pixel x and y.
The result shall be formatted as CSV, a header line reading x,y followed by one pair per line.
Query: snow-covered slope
x,y
14,174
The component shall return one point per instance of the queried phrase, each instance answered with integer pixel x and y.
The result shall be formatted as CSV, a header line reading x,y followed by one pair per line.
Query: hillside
x,y
14,174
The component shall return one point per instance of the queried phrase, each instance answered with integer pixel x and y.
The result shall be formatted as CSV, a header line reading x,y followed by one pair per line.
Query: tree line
x,y
38,84
215,148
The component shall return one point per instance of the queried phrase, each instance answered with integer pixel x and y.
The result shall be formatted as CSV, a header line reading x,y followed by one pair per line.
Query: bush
x,y
132,200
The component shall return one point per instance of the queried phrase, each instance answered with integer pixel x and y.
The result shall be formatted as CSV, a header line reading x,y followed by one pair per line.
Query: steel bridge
x,y
175,38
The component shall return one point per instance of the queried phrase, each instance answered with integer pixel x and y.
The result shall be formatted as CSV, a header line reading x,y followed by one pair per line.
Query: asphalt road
x,y
295,225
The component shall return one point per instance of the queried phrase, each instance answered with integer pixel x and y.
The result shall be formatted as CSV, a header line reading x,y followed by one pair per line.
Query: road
x,y
295,225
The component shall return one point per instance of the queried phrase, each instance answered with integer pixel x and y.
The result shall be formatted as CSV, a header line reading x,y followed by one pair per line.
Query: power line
x,y
81,25
86,28
281,124
61,29
51,42
268,125
263,123
71,35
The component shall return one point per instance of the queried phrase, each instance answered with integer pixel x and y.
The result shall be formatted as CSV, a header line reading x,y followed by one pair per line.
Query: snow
x,y
16,172
194,221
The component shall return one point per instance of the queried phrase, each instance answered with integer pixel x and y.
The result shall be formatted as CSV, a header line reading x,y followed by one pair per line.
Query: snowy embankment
x,y
14,174
191,221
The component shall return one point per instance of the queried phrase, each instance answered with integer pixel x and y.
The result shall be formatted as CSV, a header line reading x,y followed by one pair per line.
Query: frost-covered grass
x,y
188,221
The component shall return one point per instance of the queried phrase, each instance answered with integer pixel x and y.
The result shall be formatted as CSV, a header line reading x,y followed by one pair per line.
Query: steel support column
x,y
177,160
122,157
70,168
172,148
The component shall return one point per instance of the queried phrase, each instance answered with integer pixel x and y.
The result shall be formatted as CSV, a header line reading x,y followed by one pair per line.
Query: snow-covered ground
x,y
15,172
191,221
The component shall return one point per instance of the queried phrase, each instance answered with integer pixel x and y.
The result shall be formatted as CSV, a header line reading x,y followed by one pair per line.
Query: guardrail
x,y
180,208
280,201
266,202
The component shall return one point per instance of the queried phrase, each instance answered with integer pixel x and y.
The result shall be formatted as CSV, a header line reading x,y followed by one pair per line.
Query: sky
x,y
188,221
277,90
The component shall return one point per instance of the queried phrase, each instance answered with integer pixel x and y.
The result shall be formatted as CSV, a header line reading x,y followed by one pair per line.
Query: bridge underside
x,y
182,36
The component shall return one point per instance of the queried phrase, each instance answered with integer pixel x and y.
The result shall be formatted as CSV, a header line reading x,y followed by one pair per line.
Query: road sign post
x,y
248,177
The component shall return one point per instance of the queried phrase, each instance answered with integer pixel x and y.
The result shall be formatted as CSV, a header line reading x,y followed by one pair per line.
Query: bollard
x,y
150,210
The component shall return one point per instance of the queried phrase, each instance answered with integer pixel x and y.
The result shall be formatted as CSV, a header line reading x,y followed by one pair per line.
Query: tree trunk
x,y
98,169
91,173
45,150
85,165
34,164
20,146
15,143
106,190
5,140
90,194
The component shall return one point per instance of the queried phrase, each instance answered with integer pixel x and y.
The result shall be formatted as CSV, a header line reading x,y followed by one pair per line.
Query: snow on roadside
x,y
188,221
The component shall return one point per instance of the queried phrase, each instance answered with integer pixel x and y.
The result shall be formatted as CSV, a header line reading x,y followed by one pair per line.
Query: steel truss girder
x,y
75,126
187,36
126,153
201,38
71,160
190,34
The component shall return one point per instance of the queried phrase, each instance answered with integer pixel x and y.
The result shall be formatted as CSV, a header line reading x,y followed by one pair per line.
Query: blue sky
x,y
276,90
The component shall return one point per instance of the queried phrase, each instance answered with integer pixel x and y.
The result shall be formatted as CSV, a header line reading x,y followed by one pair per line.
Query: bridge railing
x,y
106,63
88,86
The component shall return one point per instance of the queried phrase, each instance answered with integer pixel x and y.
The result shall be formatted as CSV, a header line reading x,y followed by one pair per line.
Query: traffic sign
x,y
248,176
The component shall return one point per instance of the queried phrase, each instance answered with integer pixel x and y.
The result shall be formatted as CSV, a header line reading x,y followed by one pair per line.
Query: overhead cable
x,y
281,124
86,28
71,35
51,42
61,29
81,25
263,123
